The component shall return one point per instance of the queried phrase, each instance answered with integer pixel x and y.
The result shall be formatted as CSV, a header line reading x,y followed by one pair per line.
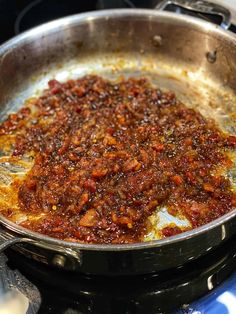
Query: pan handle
x,y
4,244
200,6
8,239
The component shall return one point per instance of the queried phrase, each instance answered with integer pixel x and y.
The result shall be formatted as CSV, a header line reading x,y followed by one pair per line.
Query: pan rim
x,y
26,233
113,13
54,25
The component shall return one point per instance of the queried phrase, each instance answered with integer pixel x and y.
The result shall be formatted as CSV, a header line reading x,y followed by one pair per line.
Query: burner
x,y
156,293
41,11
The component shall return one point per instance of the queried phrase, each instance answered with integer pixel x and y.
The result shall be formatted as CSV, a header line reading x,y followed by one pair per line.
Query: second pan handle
x,y
200,6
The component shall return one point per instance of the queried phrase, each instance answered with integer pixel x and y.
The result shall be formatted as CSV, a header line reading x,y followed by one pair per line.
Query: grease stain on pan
x,y
188,84
191,86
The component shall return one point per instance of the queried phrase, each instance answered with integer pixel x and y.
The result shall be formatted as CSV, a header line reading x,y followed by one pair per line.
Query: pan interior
x,y
193,88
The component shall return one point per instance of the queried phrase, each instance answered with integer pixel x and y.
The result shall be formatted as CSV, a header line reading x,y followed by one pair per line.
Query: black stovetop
x,y
49,290
19,15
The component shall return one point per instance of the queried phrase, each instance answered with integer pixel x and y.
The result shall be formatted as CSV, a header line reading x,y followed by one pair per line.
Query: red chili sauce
x,y
107,155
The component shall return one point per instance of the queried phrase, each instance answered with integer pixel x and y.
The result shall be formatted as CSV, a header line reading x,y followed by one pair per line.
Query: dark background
x,y
19,15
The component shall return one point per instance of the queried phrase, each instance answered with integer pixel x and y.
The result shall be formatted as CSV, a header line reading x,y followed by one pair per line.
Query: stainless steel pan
x,y
194,58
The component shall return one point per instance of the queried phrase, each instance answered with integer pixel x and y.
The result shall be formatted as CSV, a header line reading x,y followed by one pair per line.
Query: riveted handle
x,y
8,239
200,6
